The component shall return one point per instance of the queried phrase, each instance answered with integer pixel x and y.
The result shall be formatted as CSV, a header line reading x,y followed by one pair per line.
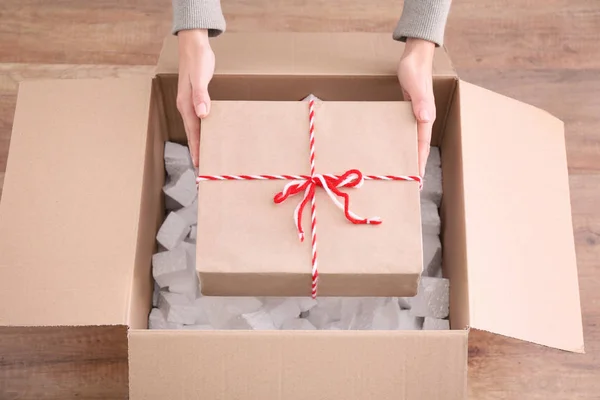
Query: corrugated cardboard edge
x,y
151,213
290,365
291,53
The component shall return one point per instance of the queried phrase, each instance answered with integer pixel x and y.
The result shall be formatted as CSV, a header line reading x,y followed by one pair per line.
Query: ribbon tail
x,y
309,193
332,191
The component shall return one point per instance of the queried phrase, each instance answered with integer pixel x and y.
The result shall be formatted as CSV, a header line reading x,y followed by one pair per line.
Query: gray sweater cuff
x,y
423,19
198,14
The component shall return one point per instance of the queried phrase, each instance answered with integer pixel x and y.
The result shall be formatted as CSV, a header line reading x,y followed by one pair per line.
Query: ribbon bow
x,y
352,178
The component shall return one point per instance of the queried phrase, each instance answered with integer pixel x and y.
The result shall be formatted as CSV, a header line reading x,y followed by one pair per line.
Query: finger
x,y
424,111
424,147
405,95
191,124
200,96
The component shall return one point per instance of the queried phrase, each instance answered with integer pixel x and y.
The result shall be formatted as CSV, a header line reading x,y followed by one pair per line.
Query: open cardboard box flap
x,y
71,201
522,271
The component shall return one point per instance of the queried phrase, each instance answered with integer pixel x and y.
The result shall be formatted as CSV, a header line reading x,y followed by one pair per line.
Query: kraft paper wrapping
x,y
248,245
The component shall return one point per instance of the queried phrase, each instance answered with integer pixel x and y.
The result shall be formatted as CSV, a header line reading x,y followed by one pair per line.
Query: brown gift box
x,y
248,246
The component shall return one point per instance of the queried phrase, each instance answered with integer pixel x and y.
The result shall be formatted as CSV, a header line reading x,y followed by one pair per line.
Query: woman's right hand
x,y
196,69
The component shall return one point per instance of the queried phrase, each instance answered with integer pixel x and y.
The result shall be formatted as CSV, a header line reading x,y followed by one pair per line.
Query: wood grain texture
x,y
63,363
541,52
492,34
571,95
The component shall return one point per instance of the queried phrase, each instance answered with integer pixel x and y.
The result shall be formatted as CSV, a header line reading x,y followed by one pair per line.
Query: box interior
x,y
165,124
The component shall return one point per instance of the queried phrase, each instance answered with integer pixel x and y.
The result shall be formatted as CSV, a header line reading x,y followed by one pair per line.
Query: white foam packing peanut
x,y
319,318
189,213
435,324
432,255
174,268
432,299
432,181
430,217
157,320
298,324
193,233
404,303
281,310
387,315
226,312
177,308
358,313
172,232
171,205
188,284
182,188
259,320
177,159
409,322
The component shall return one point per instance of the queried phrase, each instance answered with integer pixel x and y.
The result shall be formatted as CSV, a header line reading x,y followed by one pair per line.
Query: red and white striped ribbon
x,y
308,183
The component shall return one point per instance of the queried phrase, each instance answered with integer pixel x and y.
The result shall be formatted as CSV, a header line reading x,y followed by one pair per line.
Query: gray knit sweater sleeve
x,y
198,14
423,19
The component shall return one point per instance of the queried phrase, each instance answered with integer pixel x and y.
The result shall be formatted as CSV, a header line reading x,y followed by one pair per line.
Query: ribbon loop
x,y
352,178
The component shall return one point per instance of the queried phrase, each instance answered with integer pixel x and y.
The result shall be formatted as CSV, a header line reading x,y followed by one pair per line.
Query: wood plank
x,y
525,34
63,363
492,34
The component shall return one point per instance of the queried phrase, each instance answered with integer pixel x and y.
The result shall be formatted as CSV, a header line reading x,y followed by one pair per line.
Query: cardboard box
x,y
82,203
249,244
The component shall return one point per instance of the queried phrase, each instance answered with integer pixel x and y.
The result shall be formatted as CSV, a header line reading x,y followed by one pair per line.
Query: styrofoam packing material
x,y
173,267
403,303
432,181
177,308
432,255
201,314
171,205
193,232
190,213
297,313
182,188
172,232
408,322
319,318
430,217
177,159
282,310
432,299
157,320
435,324
259,320
226,312
298,324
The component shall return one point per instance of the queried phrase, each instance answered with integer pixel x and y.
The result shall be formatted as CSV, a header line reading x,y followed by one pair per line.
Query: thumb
x,y
201,100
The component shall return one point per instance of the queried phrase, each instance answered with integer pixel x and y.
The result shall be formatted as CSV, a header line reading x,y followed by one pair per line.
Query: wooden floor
x,y
544,52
